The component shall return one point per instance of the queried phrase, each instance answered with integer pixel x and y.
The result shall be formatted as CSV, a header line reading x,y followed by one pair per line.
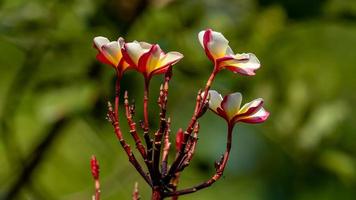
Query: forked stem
x,y
220,167
112,116
157,193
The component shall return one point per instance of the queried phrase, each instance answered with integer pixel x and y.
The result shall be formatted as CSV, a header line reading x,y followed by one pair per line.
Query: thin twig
x,y
135,193
141,148
132,125
166,147
191,148
112,118
162,102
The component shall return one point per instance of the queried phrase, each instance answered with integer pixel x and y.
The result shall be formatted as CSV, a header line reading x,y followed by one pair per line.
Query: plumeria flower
x,y
217,48
110,52
149,59
230,108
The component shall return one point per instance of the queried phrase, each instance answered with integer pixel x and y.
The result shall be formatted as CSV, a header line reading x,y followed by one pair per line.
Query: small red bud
x,y
94,165
179,139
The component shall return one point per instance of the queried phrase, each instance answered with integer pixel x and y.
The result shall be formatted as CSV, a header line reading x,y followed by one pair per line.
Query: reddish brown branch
x,y
157,150
190,149
132,126
112,118
157,193
158,143
164,128
141,148
166,147
145,104
220,167
162,102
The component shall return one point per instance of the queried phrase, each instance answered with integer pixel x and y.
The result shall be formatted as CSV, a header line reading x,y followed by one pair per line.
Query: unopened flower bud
x,y
94,165
179,139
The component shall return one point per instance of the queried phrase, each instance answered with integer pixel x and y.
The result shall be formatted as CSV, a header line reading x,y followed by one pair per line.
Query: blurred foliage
x,y
53,94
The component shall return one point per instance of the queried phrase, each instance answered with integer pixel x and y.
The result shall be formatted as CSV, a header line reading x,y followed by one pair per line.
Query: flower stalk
x,y
117,93
129,110
166,148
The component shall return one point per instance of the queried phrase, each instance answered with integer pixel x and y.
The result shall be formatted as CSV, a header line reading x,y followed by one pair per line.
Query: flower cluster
x,y
149,60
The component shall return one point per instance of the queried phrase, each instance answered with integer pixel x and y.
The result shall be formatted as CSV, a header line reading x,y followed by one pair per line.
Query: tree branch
x,y
166,147
129,110
112,118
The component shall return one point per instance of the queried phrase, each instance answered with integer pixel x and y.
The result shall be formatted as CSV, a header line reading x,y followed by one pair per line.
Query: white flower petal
x,y
201,37
218,45
260,116
112,52
100,41
244,56
215,100
231,104
242,64
170,58
121,42
154,58
112,48
252,63
229,51
134,50
146,46
251,107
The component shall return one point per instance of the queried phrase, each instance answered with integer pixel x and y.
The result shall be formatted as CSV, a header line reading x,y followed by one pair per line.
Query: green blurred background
x,y
53,95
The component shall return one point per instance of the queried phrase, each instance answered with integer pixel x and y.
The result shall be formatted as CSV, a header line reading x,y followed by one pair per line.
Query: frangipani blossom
x,y
110,52
230,108
149,59
217,48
